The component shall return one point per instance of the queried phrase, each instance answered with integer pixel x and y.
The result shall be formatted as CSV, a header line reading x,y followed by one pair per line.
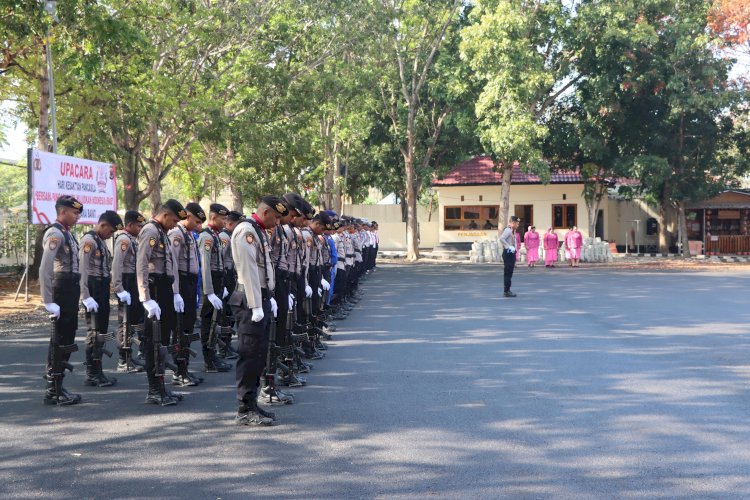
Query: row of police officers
x,y
277,278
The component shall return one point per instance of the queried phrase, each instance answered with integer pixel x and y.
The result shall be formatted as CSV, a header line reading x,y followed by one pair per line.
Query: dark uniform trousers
x,y
230,283
299,293
207,310
160,289
315,276
281,294
99,291
341,284
188,290
66,290
135,309
252,344
509,264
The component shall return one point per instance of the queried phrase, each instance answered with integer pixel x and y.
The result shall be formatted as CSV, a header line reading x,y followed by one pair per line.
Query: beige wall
x,y
619,215
540,196
392,231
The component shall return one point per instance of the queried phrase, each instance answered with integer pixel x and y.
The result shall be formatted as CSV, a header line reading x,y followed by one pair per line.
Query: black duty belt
x,y
185,274
67,276
100,278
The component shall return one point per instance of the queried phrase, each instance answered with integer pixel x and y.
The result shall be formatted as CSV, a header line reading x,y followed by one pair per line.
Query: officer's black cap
x,y
176,208
68,201
513,218
134,216
235,216
111,218
196,210
276,203
307,210
219,209
294,202
324,219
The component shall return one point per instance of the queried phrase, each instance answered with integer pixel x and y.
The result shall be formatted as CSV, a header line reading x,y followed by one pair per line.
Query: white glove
x,y
179,304
215,301
225,294
308,291
291,301
257,314
274,308
124,296
152,309
325,284
53,309
90,305
512,249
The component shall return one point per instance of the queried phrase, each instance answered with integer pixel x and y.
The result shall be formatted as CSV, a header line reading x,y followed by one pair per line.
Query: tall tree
x,y
415,33
518,52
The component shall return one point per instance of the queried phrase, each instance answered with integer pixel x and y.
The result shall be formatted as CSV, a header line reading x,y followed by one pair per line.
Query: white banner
x,y
92,183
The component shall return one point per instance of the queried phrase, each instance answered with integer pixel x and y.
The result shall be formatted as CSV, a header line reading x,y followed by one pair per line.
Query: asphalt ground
x,y
592,383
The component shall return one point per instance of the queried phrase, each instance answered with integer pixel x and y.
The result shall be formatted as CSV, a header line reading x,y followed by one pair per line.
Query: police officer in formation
x,y
279,277
130,311
212,287
96,277
184,248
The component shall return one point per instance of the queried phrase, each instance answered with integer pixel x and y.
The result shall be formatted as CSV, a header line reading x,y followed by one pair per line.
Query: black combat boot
x,y
248,414
157,395
56,393
272,396
213,365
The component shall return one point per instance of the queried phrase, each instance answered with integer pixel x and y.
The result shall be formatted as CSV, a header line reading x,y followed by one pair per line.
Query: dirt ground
x,y
9,306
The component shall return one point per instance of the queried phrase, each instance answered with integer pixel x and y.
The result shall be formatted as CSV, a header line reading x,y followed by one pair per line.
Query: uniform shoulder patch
x,y
124,244
52,243
309,242
151,242
208,244
87,248
249,238
176,242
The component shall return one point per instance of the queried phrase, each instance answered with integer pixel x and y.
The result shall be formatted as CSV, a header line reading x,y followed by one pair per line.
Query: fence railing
x,y
730,244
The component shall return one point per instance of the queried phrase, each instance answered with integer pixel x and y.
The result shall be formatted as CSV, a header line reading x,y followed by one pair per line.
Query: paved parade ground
x,y
592,383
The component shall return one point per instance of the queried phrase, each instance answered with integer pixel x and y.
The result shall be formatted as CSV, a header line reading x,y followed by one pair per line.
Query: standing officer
x,y
230,281
96,277
155,272
126,288
508,243
59,284
184,248
212,269
253,305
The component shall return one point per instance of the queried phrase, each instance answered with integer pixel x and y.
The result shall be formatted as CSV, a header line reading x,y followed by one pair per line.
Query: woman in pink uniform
x,y
531,239
574,244
551,243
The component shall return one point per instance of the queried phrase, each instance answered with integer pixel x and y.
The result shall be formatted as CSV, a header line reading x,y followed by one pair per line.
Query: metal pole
x,y
51,87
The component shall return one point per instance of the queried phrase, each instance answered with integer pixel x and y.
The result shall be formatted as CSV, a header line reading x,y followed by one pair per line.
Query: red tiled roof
x,y
478,170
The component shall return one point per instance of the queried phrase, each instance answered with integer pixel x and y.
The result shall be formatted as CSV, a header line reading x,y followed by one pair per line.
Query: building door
x,y
599,230
526,214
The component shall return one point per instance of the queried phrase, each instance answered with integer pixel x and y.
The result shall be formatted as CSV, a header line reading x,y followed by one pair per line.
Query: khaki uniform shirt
x,y
226,246
60,255
280,248
209,247
124,259
184,252
94,261
252,259
153,256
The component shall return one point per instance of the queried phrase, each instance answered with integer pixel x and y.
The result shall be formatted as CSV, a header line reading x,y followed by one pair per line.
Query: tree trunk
x,y
663,232
237,201
412,238
154,197
682,225
503,216
130,181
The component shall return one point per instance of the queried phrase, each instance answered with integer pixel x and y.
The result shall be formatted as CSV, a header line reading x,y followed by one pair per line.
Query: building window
x,y
564,216
526,214
470,218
